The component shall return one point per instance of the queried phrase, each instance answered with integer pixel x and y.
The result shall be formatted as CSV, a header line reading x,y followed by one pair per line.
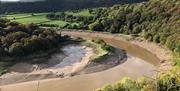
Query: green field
x,y
36,18
17,16
56,22
32,19
84,13
40,18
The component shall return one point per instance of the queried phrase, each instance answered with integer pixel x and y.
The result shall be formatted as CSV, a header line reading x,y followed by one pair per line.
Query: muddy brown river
x,y
140,63
116,41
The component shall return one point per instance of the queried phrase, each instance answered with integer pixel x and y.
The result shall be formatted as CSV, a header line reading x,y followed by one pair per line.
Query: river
x,y
140,63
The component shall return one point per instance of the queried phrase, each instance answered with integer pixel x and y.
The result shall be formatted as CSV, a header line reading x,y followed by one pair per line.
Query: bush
x,y
165,82
168,82
156,39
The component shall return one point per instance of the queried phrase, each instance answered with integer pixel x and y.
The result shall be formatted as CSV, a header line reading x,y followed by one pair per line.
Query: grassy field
x,y
40,18
36,18
11,17
84,13
32,19
56,22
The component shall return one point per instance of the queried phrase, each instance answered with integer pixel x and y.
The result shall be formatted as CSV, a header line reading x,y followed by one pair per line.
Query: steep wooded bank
x,y
157,21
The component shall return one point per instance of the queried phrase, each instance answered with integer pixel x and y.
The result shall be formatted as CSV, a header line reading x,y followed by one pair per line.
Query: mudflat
x,y
135,66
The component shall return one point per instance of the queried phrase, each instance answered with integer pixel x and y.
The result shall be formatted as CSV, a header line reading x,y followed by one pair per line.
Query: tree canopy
x,y
19,40
155,20
58,5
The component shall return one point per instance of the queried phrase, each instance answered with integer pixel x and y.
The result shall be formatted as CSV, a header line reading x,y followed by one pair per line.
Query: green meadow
x,y
40,18
84,13
36,18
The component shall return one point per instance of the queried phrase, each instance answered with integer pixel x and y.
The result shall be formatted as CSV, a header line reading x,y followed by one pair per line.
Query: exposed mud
x,y
70,61
139,62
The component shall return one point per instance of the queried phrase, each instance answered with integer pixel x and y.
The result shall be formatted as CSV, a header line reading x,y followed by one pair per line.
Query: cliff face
x,y
58,5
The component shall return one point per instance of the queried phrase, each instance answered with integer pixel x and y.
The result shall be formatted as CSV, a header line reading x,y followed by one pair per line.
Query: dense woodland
x,y
156,21
58,5
20,40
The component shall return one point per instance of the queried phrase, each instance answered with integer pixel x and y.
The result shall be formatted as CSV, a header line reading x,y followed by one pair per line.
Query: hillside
x,y
58,5
156,21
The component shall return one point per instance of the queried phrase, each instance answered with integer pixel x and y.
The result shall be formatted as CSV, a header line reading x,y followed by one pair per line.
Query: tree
x,y
156,38
96,26
31,27
16,49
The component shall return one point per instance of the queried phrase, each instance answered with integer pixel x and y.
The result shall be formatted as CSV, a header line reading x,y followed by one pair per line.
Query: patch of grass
x,y
90,31
99,51
40,18
36,18
57,22
84,13
33,19
176,58
17,16
23,15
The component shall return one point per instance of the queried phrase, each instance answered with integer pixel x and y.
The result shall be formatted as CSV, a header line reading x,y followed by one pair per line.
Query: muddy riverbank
x,y
151,52
72,59
68,61
140,62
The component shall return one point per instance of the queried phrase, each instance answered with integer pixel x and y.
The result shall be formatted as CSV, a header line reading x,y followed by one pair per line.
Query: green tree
x,y
16,49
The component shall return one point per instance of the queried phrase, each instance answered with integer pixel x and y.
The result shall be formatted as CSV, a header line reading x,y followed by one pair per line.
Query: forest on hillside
x,y
58,5
156,21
